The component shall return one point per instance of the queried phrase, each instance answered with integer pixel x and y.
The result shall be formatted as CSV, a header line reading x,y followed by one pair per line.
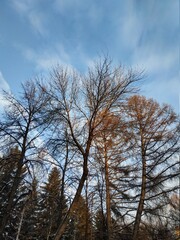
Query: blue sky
x,y
37,34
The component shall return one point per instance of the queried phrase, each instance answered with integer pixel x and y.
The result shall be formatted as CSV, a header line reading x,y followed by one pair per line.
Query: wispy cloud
x,y
29,10
22,6
37,20
162,74
3,86
149,34
3,83
64,5
130,27
45,59
84,15
153,61
138,33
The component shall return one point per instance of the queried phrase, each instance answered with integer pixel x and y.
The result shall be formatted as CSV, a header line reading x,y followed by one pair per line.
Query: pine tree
x,y
77,224
29,215
53,205
8,168
100,226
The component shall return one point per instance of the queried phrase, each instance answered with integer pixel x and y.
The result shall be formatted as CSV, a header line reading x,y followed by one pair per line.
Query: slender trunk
x,y
87,215
142,196
74,204
63,180
17,180
20,223
49,227
108,200
102,230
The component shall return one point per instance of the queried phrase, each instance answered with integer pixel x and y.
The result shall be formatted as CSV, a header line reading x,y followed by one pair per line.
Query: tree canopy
x,y
87,157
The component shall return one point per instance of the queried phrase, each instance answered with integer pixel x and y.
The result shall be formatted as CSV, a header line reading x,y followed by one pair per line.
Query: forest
x,y
86,157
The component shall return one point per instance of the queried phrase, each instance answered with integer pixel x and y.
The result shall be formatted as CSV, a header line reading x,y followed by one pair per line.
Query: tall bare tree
x,y
76,102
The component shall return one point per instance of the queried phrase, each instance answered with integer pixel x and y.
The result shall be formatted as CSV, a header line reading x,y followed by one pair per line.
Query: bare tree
x,y
76,101
22,127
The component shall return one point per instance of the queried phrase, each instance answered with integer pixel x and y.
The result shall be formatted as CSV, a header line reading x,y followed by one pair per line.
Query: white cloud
x,y
148,34
3,86
162,80
22,6
44,60
37,21
95,14
149,58
63,5
3,83
164,91
29,10
129,26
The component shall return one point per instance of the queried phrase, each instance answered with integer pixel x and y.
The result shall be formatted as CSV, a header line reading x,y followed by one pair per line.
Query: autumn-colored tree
x,y
108,155
153,133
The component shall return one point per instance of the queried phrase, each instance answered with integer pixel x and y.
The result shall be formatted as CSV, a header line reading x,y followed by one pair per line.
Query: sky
x,y
36,35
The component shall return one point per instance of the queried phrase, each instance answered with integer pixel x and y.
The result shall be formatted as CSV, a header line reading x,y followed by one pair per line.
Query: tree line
x,y
87,157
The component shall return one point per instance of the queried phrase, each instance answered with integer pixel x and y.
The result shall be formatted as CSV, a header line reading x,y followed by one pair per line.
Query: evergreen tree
x,y
100,226
29,215
53,205
76,229
8,168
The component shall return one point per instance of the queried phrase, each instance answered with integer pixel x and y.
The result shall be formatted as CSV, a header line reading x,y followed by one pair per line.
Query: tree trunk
x,y
20,223
141,202
63,180
87,213
108,200
17,180
73,206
